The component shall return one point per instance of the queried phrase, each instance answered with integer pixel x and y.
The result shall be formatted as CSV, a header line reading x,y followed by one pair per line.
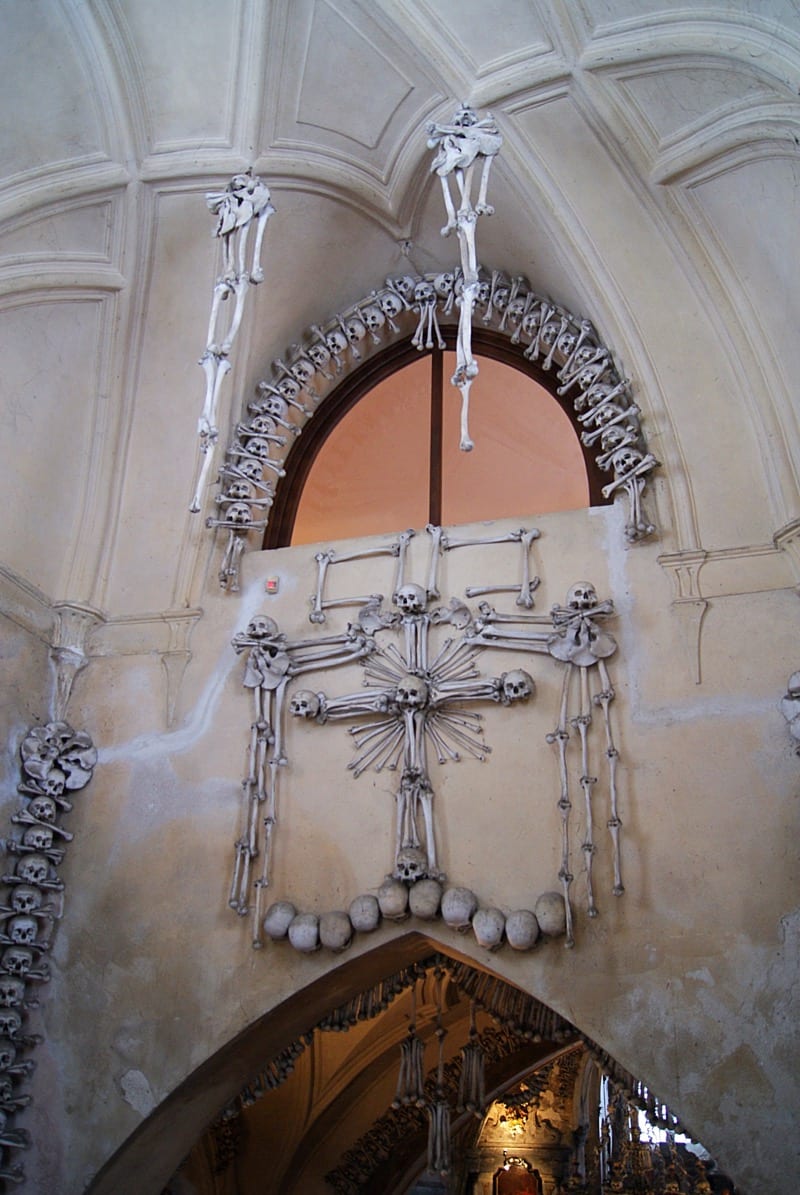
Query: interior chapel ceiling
x,y
648,179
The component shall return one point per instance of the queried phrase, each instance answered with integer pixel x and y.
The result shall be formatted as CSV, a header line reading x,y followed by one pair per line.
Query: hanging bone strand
x,y
583,722
243,206
560,737
604,699
458,147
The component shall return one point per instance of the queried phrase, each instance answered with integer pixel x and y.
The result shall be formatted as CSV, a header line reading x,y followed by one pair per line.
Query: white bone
x,y
647,463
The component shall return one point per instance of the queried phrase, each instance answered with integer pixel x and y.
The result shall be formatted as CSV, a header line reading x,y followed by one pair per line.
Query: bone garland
x,y
539,329
56,761
458,146
244,205
271,662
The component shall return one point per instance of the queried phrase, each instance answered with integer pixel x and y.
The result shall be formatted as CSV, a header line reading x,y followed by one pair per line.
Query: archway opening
x,y
311,1098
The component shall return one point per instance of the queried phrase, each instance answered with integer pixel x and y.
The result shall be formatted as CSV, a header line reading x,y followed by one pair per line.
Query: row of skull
x,y
56,762
546,332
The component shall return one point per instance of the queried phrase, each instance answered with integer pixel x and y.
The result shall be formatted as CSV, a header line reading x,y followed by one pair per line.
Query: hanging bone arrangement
x,y
414,306
459,147
242,211
421,699
57,762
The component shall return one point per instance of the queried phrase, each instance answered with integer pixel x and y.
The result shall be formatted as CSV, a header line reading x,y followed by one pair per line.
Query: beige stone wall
x,y
686,979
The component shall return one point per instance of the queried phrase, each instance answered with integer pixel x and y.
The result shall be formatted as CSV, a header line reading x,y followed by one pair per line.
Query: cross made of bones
x,y
414,702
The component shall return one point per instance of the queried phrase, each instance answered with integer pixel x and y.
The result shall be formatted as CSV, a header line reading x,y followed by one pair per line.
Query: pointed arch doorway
x,y
301,1101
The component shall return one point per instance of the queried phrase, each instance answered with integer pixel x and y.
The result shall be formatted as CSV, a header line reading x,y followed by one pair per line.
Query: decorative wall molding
x,y
57,761
74,624
26,605
413,305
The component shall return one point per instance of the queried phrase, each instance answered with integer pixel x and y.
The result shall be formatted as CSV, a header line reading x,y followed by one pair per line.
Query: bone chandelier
x,y
417,700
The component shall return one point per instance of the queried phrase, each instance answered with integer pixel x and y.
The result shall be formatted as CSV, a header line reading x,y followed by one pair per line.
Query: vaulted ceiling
x,y
647,179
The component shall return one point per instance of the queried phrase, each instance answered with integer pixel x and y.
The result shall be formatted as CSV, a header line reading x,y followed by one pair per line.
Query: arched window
x,y
382,453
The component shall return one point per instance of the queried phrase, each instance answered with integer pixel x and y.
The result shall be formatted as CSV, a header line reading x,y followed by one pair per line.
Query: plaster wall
x,y
688,979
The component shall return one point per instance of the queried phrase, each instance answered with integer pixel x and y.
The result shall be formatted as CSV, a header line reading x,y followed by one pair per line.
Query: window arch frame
x,y
360,380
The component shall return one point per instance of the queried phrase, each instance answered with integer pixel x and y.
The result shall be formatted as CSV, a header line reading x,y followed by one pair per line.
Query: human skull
x,y
54,782
582,596
443,284
336,342
42,808
405,285
22,930
12,991
251,467
549,333
24,898
424,292
34,869
625,460
531,321
6,1091
373,317
319,354
411,864
515,310
605,414
356,330
412,693
612,437
500,297
263,425
585,353
390,303
240,491
589,375
411,599
303,371
257,446
17,960
482,293
518,685
272,404
38,837
262,627
566,343
10,1023
239,513
304,704
8,1056
289,389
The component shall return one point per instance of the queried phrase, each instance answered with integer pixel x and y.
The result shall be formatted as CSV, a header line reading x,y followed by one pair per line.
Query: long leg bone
x,y
560,737
324,560
582,722
604,699
436,534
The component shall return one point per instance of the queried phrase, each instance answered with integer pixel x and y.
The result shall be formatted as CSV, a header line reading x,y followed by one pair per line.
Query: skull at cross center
x,y
412,693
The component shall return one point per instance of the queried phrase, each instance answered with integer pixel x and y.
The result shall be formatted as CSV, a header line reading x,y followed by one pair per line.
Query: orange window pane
x,y
526,459
372,473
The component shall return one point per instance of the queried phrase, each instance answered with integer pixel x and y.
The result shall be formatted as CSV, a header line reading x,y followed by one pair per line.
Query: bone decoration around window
x,y
459,145
421,697
540,330
242,211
